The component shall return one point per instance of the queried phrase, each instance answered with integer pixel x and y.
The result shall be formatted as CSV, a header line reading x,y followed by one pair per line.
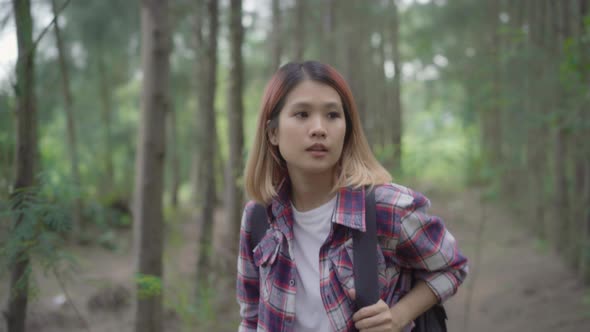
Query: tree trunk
x,y
491,117
26,147
299,29
209,149
353,47
564,225
71,127
236,132
174,159
328,31
583,147
277,42
155,50
107,183
199,68
396,121
535,133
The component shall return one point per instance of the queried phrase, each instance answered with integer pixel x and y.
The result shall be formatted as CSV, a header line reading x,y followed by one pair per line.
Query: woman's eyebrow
x,y
304,104
301,104
332,105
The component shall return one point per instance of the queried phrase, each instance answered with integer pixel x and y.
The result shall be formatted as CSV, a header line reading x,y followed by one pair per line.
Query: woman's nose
x,y
318,128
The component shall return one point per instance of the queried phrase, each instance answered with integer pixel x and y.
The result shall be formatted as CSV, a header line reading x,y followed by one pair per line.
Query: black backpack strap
x,y
259,225
365,257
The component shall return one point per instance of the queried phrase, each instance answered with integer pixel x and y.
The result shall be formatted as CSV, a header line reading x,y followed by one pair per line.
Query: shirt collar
x,y
281,208
350,207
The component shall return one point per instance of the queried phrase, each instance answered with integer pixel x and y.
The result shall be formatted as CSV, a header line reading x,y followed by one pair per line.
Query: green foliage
x,y
148,285
542,245
37,229
7,141
179,298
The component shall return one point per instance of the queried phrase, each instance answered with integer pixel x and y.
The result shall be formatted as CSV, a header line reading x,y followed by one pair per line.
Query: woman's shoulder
x,y
248,213
400,197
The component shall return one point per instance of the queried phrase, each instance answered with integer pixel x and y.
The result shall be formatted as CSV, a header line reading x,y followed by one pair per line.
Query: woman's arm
x,y
248,283
416,302
379,317
428,249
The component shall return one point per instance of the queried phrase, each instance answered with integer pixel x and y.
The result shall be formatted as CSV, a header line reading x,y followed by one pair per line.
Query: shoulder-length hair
x,y
265,168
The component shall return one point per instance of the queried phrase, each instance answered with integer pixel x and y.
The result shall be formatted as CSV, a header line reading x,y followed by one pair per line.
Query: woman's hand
x,y
376,318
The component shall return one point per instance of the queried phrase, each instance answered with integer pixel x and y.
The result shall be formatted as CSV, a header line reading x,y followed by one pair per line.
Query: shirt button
x,y
291,282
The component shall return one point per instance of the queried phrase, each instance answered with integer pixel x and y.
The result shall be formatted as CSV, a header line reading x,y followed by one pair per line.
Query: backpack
x,y
365,265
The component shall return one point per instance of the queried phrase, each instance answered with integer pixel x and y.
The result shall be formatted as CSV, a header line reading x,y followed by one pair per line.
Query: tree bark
x,y
236,132
209,148
199,67
328,31
174,158
396,121
354,46
277,42
71,127
155,50
582,163
566,242
535,133
491,126
26,147
300,29
107,182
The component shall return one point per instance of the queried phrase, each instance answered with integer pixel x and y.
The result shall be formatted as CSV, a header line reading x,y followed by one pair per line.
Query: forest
x,y
125,127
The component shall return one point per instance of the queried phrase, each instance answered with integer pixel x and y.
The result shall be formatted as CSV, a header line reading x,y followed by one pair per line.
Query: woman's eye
x,y
333,115
301,114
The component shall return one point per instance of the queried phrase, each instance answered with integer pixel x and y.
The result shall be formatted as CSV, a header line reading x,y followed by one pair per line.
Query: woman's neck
x,y
310,191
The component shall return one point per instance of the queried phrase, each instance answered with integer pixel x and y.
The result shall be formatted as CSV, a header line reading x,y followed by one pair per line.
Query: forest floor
x,y
515,283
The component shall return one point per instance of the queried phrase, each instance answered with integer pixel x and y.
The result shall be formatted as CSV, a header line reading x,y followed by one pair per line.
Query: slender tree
x,y
71,124
300,7
199,68
277,41
236,131
582,164
396,107
26,147
328,11
174,157
208,142
105,88
148,223
491,114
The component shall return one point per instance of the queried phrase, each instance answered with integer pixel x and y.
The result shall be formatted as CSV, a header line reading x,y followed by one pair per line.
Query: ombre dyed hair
x,y
266,168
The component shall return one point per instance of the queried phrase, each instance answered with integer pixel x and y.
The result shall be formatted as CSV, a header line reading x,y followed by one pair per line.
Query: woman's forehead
x,y
308,93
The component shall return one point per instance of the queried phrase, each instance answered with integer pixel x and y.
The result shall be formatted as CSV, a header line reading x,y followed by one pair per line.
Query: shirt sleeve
x,y
427,247
247,290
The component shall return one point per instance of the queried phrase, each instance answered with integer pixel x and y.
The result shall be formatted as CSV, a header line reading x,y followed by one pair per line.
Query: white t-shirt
x,y
310,230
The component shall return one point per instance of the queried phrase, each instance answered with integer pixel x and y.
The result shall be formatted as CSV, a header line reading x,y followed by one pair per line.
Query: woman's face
x,y
311,129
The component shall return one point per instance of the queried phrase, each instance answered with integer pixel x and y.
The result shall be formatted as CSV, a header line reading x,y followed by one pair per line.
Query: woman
x,y
309,166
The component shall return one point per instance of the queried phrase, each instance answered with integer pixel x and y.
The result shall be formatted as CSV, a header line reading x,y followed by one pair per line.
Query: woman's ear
x,y
272,133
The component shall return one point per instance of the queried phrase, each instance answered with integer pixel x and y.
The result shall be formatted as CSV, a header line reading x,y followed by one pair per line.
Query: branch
x,y
44,31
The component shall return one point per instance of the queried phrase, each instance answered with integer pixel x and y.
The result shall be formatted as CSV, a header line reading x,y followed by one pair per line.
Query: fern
x,y
38,222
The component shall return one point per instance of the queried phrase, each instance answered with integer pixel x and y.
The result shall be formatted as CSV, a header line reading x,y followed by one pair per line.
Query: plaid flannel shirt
x,y
409,241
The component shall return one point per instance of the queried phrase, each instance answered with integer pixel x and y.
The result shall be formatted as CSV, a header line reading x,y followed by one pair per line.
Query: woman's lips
x,y
318,153
317,150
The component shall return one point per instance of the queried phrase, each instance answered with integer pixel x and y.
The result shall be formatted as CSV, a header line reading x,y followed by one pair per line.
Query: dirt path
x,y
513,286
